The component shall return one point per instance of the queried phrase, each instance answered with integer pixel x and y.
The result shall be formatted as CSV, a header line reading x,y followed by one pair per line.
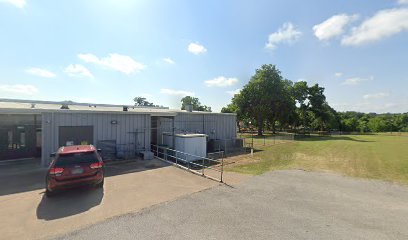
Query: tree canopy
x,y
271,101
195,102
141,101
266,98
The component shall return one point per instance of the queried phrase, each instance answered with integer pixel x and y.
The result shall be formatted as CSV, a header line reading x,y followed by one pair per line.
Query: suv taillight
x,y
54,171
96,165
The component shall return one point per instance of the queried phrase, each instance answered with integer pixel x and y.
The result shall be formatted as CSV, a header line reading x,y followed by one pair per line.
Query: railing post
x,y
175,154
188,162
203,166
222,165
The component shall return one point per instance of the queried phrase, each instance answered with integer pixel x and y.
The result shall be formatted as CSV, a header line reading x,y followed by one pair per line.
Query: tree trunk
x,y
260,125
273,127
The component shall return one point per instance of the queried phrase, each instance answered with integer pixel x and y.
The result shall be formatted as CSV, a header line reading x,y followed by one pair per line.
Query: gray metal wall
x,y
103,129
215,125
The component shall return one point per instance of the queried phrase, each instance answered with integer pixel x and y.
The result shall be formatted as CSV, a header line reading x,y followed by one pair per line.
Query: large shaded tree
x,y
300,92
265,97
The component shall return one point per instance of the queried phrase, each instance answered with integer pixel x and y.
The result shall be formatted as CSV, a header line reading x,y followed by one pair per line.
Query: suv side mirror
x,y
52,155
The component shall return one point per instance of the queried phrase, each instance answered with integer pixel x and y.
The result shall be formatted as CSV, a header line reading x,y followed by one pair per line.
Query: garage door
x,y
80,135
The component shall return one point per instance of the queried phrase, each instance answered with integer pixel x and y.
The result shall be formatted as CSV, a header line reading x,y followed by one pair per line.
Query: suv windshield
x,y
76,158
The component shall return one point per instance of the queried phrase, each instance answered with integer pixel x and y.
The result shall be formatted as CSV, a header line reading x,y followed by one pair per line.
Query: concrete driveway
x,y
25,213
277,205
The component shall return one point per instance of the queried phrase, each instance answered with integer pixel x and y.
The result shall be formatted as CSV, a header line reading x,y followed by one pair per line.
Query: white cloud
x,y
168,60
173,92
286,34
366,106
19,89
16,3
221,81
121,63
356,81
196,48
338,74
383,24
332,27
233,92
40,72
403,1
76,70
376,95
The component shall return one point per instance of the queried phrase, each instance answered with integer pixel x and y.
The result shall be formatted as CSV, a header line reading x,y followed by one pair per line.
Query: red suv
x,y
74,166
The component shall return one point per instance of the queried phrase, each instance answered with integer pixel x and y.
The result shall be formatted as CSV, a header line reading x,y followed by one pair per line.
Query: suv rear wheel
x,y
49,194
100,185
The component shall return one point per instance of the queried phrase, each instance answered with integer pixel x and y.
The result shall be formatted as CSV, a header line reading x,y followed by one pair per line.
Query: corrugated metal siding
x,y
103,129
216,126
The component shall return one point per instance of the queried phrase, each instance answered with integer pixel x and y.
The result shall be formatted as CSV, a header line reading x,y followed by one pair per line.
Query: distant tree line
x,y
372,122
269,101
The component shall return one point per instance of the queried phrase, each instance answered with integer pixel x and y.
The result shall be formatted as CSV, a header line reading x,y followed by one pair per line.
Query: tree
x,y
318,106
141,101
264,97
377,124
193,101
300,92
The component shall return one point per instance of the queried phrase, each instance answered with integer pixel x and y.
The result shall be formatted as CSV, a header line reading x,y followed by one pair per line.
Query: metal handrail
x,y
155,148
189,154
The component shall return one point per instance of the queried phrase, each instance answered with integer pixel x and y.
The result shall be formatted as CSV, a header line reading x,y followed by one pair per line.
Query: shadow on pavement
x,y
69,203
29,176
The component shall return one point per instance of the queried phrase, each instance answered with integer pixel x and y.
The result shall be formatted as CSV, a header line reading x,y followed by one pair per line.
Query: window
x,y
76,158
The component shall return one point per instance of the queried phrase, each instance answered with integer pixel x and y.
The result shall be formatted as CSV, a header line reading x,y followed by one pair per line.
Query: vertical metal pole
x,y
188,162
202,171
157,150
264,140
222,166
252,136
175,155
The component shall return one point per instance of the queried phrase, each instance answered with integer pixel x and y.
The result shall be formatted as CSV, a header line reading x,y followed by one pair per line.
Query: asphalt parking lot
x,y
277,205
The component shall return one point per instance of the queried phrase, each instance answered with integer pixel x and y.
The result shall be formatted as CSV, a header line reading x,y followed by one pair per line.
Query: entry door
x,y
78,135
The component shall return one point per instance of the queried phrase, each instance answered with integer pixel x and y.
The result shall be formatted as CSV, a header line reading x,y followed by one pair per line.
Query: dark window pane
x,y
76,158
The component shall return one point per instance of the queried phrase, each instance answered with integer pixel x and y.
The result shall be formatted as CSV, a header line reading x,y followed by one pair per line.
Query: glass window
x,y
22,139
76,158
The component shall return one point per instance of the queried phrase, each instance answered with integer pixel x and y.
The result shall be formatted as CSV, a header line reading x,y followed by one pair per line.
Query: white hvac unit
x,y
193,145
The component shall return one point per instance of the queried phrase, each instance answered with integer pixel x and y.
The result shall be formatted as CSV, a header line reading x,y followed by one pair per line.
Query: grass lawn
x,y
368,156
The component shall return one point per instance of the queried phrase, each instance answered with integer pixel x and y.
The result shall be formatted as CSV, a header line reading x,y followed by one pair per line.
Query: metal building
x,y
38,128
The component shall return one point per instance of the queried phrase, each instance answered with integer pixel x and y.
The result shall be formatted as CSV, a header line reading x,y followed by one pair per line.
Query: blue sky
x,y
111,51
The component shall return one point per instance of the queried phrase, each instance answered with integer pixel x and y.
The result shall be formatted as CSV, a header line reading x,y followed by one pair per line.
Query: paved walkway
x,y
277,205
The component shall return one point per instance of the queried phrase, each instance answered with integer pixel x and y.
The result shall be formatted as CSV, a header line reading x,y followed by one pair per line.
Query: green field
x,y
368,156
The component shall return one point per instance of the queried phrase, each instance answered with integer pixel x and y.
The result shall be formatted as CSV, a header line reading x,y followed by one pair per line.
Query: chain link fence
x,y
252,141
